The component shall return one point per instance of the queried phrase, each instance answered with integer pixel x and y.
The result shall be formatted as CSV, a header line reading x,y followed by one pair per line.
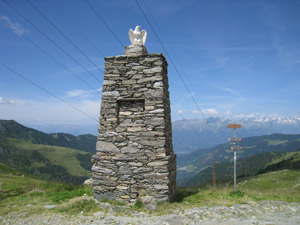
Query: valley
x,y
67,158
41,183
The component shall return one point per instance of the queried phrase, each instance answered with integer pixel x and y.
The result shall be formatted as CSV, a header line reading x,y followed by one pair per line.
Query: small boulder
x,y
88,182
149,202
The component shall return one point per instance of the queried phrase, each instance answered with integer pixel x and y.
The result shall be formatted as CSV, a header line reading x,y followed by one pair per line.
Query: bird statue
x,y
137,37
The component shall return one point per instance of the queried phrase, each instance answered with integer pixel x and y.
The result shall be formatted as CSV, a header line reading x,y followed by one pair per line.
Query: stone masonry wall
x,y
134,154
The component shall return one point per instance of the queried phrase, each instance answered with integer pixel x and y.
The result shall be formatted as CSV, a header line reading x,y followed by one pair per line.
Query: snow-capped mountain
x,y
189,135
194,134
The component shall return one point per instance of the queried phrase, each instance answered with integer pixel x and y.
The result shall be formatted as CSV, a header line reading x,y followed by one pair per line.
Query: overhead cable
x,y
194,130
49,39
175,67
55,60
80,33
103,21
64,35
45,90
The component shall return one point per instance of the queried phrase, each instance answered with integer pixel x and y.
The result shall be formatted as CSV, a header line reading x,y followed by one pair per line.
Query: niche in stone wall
x,y
130,111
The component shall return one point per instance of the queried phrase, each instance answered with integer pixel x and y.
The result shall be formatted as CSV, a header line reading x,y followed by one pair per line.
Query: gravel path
x,y
264,212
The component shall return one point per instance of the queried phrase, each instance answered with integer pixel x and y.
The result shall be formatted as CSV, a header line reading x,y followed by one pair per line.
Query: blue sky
x,y
239,58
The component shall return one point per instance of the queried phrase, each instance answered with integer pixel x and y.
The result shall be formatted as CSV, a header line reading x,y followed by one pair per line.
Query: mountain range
x,y
191,164
67,158
193,134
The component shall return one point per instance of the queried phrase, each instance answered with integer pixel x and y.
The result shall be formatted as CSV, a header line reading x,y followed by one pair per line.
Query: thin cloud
x,y
51,111
206,111
230,91
16,28
78,93
7,101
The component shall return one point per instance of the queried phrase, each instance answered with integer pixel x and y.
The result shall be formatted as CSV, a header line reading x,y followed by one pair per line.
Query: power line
x,y
55,60
103,21
64,35
49,39
172,62
45,90
162,33
80,33
195,131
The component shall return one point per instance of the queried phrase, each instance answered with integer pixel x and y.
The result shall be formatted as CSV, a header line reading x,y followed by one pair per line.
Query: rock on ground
x,y
265,212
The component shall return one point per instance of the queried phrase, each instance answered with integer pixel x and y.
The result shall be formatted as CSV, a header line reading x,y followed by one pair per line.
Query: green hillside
x,y
282,185
23,193
34,152
20,192
12,129
191,164
257,164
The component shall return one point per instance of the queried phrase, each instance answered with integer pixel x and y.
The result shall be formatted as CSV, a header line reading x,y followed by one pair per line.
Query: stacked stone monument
x,y
134,155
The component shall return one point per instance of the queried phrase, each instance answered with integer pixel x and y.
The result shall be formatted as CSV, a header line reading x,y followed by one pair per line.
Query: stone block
x,y
109,82
153,70
136,164
142,170
129,149
158,163
104,183
126,82
149,79
161,187
104,146
101,170
135,50
152,143
124,170
111,94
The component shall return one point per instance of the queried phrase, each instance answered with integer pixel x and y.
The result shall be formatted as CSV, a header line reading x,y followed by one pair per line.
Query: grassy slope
x,y
65,157
12,129
278,185
21,193
261,163
281,185
191,164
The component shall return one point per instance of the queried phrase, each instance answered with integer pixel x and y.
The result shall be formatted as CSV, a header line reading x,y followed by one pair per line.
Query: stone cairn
x,y
134,154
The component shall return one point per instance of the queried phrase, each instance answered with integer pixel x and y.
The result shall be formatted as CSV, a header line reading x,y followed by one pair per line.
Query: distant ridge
x,y
12,129
193,134
189,165
57,157
250,166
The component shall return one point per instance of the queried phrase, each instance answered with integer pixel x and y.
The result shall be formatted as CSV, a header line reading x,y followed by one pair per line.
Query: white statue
x,y
137,37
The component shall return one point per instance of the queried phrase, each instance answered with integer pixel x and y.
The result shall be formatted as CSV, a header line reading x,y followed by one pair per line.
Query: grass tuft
x,y
139,204
80,206
237,194
66,195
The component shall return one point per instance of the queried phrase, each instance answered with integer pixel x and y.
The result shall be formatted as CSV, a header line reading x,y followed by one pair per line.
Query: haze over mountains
x,y
193,134
189,135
